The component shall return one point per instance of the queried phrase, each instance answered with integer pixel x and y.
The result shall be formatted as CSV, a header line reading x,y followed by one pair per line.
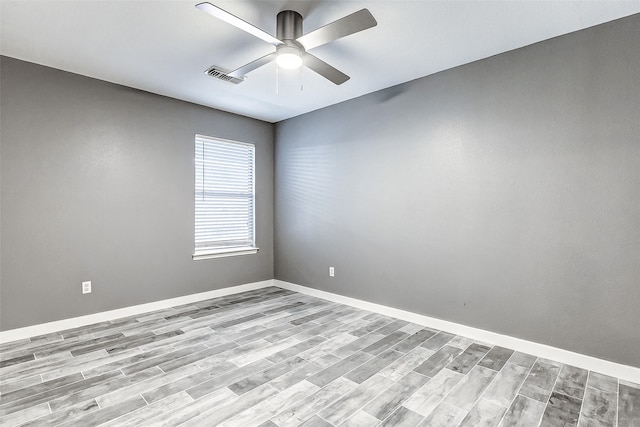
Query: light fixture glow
x,y
289,58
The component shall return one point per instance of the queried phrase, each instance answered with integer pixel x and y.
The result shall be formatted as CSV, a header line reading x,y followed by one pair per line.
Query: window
x,y
224,198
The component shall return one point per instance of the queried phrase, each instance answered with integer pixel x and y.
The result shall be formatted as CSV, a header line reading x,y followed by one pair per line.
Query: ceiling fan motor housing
x,y
289,28
288,25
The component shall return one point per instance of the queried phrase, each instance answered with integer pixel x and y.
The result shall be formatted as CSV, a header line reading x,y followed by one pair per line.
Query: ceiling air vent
x,y
222,74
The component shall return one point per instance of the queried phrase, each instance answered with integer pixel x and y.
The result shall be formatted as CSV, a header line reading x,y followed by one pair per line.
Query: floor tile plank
x,y
8,385
406,363
438,361
506,384
138,388
485,413
219,398
217,414
468,358
385,343
39,388
523,412
103,415
70,413
360,419
470,388
540,381
600,408
523,359
629,406
256,380
373,366
415,340
386,403
301,411
63,402
353,401
429,396
358,344
316,421
211,385
338,369
496,358
571,381
602,382
437,341
562,410
444,415
58,393
25,415
402,417
260,413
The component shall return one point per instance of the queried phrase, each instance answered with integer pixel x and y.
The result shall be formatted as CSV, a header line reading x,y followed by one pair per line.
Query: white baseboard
x,y
60,325
628,373
624,372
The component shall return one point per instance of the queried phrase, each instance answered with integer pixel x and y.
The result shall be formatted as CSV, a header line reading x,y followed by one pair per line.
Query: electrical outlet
x,y
332,272
86,287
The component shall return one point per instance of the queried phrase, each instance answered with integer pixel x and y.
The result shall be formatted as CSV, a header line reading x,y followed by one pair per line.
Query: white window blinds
x,y
224,196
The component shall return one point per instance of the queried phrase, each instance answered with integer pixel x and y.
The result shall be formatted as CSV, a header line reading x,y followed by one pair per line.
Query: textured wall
x,y
97,184
503,194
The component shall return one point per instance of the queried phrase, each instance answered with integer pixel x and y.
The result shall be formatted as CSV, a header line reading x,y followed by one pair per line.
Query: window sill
x,y
225,252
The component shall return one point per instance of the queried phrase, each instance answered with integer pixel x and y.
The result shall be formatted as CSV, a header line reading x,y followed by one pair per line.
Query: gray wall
x,y
504,194
97,184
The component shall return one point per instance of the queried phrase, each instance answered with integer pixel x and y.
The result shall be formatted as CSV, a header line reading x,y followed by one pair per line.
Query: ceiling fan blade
x,y
324,69
242,71
350,24
237,22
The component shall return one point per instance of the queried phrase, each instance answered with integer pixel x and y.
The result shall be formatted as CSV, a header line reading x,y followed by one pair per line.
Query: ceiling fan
x,y
291,45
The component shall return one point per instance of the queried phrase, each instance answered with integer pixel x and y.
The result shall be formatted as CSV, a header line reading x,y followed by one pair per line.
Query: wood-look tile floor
x,y
273,357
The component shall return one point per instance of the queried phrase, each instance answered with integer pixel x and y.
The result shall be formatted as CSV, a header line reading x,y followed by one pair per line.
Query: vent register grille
x,y
222,74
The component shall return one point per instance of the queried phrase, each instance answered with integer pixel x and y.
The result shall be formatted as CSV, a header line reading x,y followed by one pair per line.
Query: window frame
x,y
223,251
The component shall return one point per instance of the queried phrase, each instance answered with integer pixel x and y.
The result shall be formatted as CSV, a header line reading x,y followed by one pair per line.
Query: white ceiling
x,y
164,46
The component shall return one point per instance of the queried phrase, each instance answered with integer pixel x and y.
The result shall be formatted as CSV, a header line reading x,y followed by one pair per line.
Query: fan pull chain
x,y
277,79
301,85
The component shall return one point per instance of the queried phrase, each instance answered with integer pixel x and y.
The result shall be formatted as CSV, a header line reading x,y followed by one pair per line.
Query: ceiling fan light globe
x,y
289,59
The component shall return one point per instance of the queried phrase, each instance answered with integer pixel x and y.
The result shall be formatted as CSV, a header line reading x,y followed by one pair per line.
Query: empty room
x,y
320,213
